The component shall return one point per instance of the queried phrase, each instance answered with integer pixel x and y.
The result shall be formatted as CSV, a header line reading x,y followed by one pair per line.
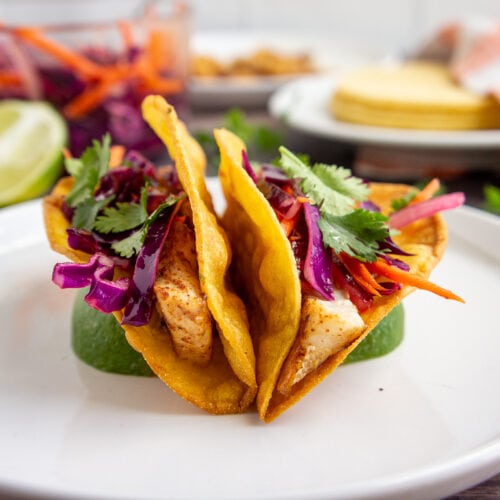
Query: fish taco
x,y
146,241
322,257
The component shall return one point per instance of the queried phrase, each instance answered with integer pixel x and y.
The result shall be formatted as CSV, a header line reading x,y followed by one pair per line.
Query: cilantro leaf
x,y
84,186
73,166
121,217
332,188
336,191
86,212
171,200
342,181
129,246
356,233
87,171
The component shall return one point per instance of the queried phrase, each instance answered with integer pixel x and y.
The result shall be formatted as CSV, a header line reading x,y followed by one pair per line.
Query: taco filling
x,y
346,256
137,237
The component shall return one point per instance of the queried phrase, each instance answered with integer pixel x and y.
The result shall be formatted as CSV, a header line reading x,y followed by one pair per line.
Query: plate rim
x,y
478,463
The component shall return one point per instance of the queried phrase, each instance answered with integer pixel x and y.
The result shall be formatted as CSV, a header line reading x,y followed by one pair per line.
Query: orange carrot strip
x,y
304,199
88,100
406,278
67,153
159,50
116,154
361,274
78,62
9,78
288,225
430,189
165,86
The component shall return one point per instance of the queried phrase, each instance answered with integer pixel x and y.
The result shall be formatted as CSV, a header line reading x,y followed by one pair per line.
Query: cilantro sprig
x,y
336,192
87,171
129,221
126,216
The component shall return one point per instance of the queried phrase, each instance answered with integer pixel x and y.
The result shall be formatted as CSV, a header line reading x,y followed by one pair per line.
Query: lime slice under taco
x,y
320,262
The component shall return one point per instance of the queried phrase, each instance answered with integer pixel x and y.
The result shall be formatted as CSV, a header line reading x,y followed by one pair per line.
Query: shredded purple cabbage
x,y
370,206
83,240
248,167
140,300
285,204
274,174
105,294
317,264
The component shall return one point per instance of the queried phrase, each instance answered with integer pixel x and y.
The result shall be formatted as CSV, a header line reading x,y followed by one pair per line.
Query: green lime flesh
x,y
32,137
384,338
99,340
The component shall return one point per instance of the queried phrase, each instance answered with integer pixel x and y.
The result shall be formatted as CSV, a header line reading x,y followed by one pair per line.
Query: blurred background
x,y
315,39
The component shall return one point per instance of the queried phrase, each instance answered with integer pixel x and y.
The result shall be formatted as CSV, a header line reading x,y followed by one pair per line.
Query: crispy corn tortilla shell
x,y
270,279
217,387
212,245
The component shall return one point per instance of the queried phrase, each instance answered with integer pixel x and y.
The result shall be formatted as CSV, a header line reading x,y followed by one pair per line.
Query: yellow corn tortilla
x,y
266,268
412,95
227,384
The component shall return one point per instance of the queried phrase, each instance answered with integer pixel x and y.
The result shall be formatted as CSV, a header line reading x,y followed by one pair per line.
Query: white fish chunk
x,y
180,299
327,326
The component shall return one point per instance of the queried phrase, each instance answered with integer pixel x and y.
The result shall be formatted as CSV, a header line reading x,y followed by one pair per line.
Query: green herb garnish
x,y
130,245
129,220
491,198
260,140
336,191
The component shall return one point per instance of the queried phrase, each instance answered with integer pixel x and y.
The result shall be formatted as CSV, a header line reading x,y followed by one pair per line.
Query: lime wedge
x,y
99,340
384,338
32,135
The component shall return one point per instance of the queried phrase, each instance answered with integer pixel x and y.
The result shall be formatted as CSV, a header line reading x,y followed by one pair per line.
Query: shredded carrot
x,y
406,278
144,71
116,154
88,100
304,199
166,86
430,189
288,225
9,78
157,49
96,93
361,274
67,153
76,61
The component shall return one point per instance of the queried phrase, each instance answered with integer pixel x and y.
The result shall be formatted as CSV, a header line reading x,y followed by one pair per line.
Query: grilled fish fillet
x,y
180,299
326,327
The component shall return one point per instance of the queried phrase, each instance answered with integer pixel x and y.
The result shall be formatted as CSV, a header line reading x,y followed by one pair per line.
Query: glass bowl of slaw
x,y
95,62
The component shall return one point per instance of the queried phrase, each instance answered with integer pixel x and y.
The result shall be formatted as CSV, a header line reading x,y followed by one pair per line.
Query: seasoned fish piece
x,y
326,328
180,300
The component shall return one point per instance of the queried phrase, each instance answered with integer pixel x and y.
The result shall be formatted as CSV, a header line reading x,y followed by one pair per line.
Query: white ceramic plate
x,y
304,105
421,422
326,55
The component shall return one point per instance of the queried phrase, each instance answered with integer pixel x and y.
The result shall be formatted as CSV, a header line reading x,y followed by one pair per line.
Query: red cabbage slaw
x,y
97,89
133,291
320,267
